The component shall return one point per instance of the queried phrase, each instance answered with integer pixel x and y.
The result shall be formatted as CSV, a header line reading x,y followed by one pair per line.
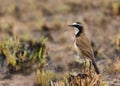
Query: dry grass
x,y
50,78
115,67
116,7
43,78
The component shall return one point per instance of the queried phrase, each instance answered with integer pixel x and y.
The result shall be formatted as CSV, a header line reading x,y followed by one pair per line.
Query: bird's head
x,y
78,27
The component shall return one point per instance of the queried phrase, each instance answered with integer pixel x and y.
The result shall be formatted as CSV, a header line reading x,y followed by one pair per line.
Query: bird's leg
x,y
90,70
90,67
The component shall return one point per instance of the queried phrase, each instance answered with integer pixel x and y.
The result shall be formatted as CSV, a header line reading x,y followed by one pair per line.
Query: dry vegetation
x,y
36,45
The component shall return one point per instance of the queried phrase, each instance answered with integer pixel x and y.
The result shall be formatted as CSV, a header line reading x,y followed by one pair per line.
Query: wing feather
x,y
85,47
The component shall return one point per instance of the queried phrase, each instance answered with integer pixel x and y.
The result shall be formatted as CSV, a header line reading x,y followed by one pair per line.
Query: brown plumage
x,y
83,45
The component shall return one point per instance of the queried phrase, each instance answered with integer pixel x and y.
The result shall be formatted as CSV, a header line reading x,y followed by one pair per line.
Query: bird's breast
x,y
77,49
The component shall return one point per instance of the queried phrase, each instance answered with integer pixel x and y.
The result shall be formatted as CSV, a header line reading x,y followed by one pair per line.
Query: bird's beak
x,y
70,25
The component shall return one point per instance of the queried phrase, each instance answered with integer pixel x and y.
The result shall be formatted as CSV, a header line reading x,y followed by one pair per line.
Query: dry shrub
x,y
88,79
58,83
115,66
23,56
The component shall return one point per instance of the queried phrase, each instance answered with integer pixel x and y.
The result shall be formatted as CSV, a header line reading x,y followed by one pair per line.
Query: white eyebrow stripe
x,y
77,24
74,23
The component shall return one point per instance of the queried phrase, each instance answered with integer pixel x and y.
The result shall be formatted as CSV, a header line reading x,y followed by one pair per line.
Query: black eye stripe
x,y
80,30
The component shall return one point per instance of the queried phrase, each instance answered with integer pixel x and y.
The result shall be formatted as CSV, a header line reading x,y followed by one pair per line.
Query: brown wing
x,y
84,46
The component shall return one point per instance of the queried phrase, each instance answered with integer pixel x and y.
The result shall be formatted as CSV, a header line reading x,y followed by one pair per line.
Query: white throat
x,y
76,30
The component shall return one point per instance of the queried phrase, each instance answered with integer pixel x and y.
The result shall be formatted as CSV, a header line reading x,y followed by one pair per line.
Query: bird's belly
x,y
77,49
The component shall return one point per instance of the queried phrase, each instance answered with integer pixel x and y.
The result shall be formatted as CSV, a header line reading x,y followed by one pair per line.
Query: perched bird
x,y
83,45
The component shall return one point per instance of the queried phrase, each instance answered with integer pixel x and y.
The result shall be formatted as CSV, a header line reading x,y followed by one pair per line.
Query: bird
x,y
82,44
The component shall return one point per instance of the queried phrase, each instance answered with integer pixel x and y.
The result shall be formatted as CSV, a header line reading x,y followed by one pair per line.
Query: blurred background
x,y
32,19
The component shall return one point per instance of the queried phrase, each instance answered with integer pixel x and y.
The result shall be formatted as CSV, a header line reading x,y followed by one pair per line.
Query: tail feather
x,y
95,67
